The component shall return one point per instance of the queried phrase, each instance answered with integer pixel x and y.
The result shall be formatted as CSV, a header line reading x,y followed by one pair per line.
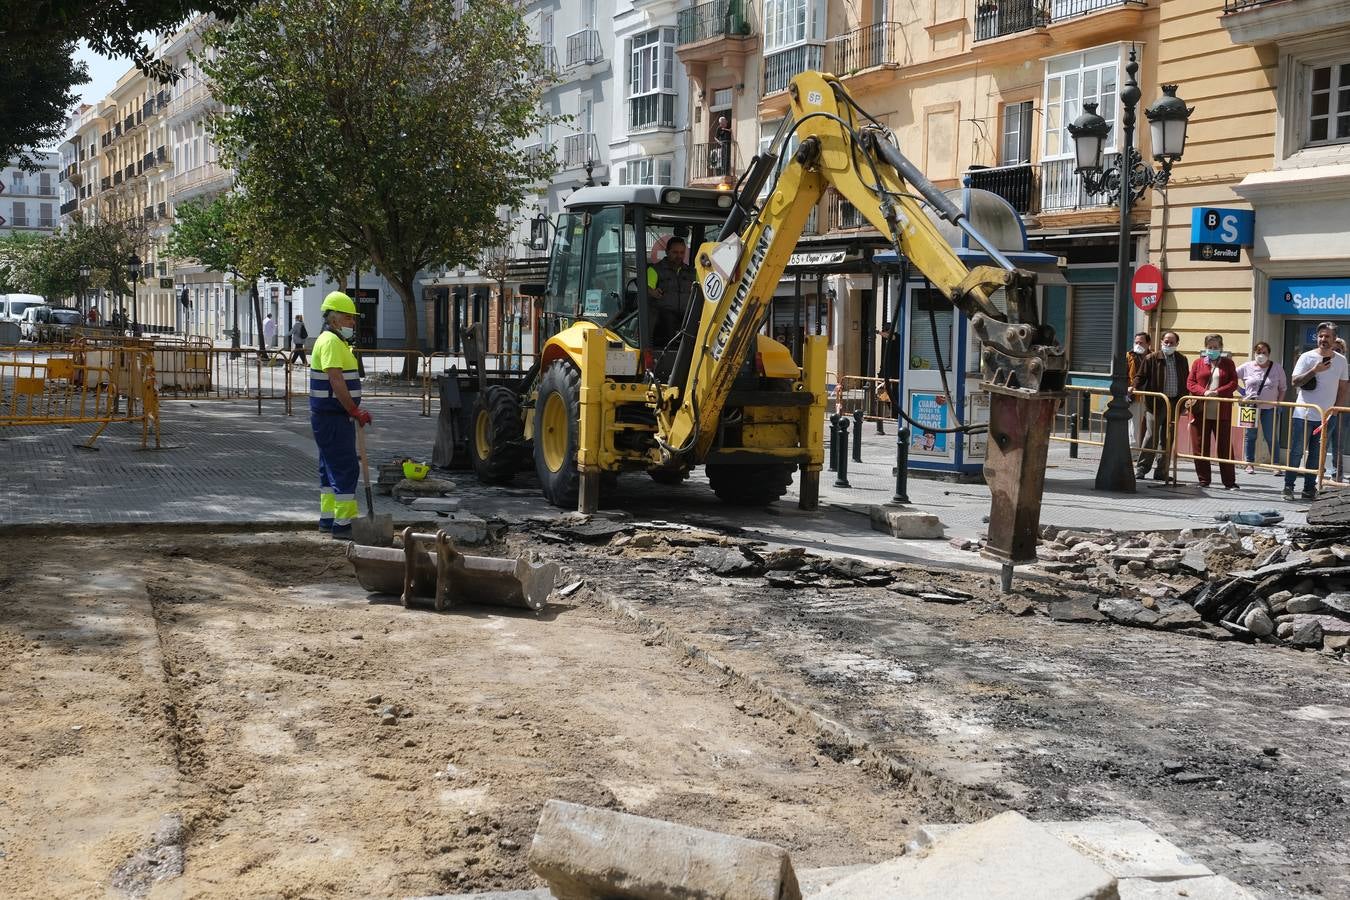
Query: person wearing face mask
x,y
335,413
1163,372
1261,379
1319,376
1134,361
1212,375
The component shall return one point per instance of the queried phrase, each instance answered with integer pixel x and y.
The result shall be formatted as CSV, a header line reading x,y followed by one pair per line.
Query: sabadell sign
x,y
1310,296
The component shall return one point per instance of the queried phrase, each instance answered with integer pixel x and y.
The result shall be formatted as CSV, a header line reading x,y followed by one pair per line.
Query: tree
x,y
384,125
37,67
36,78
105,247
16,253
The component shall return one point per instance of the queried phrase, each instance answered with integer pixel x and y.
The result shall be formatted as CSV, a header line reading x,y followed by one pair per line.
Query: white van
x,y
13,305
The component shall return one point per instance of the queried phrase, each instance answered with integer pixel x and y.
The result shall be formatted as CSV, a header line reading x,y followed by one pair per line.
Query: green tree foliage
x,y
37,66
36,80
16,253
383,128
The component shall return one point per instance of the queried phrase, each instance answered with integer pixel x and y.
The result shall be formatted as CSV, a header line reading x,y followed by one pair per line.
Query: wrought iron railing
x,y
713,161
69,206
1069,9
1016,184
720,18
995,19
781,67
546,58
579,149
1062,188
583,48
843,215
878,44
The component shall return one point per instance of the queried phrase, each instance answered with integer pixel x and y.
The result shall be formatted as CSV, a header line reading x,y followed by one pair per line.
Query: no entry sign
x,y
1147,287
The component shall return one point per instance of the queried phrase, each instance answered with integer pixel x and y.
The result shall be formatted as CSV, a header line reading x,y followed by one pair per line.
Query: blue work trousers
x,y
339,469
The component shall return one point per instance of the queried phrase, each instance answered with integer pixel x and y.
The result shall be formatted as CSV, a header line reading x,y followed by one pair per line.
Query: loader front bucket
x,y
429,568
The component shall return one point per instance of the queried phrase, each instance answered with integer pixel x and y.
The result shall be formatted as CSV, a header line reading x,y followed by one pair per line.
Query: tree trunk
x,y
257,313
410,329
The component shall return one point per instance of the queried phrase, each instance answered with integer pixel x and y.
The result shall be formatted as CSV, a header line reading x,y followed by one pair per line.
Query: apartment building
x,y
1270,82
650,125
29,201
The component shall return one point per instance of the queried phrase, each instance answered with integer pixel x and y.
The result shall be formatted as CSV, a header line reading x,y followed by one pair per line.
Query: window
x,y
45,183
649,170
923,350
20,216
546,29
45,215
651,85
1329,104
1015,149
1072,80
788,22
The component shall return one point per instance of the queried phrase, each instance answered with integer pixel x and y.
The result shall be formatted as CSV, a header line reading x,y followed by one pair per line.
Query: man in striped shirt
x,y
335,413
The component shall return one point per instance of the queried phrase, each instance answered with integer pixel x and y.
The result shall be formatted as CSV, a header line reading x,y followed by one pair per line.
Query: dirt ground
x,y
1237,753
214,704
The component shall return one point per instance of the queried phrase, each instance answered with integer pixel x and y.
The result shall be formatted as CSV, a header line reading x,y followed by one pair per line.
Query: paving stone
x,y
436,504
906,523
1003,857
1126,611
585,853
1178,616
1076,609
1340,602
463,528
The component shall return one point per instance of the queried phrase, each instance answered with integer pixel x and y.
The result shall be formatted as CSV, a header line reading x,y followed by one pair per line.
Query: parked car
x,y
13,305
49,324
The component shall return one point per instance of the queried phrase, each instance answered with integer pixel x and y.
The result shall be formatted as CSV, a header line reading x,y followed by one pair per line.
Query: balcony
x,y
129,172
117,178
1062,189
843,215
149,214
148,109
190,101
162,156
147,162
162,211
1016,184
996,18
69,207
204,179
72,173
48,222
105,140
715,163
584,49
713,21
879,44
579,149
20,222
107,183
546,56
1254,22
652,112
782,66
128,123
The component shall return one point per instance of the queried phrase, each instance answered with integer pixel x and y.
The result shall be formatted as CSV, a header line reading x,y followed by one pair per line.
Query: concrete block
x,y
435,504
590,854
1002,858
902,522
1128,849
464,528
1206,887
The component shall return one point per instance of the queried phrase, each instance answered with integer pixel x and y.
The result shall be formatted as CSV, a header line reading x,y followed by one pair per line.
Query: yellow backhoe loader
x,y
619,387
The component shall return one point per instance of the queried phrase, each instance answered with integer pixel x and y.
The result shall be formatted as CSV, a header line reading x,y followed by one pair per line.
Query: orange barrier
x,y
61,391
1217,409
1081,420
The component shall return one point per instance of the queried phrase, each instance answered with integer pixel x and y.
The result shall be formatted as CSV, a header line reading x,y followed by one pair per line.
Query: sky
x,y
103,73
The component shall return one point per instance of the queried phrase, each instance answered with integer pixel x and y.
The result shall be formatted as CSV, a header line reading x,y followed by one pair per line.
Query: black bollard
x,y
834,442
857,435
901,466
1073,431
842,479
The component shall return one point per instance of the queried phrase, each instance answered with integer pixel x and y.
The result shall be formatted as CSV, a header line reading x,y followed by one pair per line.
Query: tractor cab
x,y
607,261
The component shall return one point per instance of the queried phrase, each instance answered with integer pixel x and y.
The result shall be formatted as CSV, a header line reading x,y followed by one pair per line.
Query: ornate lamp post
x,y
134,273
1124,182
85,272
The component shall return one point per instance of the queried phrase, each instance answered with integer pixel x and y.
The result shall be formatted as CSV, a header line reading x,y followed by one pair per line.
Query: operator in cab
x,y
670,283
335,413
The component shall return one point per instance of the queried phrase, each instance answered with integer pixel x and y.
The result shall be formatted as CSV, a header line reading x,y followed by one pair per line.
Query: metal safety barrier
x,y
1224,412
1081,420
1333,448
65,391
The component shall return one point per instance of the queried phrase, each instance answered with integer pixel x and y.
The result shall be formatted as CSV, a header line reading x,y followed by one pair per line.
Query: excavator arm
x,y
839,145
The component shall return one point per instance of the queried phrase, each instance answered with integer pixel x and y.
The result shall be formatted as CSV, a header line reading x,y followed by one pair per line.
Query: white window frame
x,y
651,62
1338,102
649,170
1063,95
788,23
1021,113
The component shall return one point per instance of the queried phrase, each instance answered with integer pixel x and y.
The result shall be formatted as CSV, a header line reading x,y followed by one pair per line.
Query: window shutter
x,y
922,351
1090,327
663,168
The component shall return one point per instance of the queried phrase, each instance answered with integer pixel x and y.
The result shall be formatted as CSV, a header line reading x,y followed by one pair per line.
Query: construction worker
x,y
335,413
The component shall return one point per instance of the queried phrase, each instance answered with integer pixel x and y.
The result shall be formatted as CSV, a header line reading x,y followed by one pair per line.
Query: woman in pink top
x,y
1262,379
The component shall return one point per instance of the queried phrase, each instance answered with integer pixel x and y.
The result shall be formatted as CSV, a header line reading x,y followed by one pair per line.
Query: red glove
x,y
361,416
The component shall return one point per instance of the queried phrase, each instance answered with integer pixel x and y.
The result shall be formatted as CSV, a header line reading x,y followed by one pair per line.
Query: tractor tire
x,y
557,424
750,485
668,477
497,440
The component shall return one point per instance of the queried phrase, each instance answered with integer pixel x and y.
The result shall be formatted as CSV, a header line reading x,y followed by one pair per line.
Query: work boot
x,y
342,532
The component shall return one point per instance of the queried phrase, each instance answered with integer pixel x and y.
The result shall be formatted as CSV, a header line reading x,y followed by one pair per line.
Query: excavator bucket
x,y
429,568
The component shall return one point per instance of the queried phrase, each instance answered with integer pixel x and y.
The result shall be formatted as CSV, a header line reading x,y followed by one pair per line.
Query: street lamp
x,y
1123,182
134,272
85,272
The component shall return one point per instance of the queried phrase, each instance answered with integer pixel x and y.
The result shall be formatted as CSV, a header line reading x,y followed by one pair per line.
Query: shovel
x,y
373,530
